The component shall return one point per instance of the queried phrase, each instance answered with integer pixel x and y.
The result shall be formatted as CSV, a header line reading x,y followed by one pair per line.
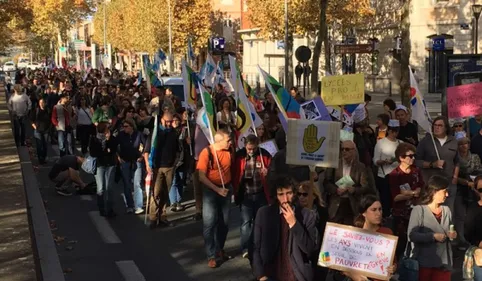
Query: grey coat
x,y
426,249
448,152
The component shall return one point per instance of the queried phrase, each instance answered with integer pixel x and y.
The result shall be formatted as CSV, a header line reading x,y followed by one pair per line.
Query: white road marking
x,y
86,197
130,271
103,227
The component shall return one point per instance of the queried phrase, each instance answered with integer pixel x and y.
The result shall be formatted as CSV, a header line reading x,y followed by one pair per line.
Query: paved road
x,y
92,248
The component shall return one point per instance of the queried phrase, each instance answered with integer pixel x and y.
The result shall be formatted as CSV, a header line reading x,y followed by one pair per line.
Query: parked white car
x,y
9,66
23,63
34,65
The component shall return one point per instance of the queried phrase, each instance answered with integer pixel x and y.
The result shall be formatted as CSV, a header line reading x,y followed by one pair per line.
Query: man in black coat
x,y
285,237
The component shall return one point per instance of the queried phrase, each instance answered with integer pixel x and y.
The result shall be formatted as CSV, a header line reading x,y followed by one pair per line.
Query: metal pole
x,y
287,61
170,36
476,34
105,34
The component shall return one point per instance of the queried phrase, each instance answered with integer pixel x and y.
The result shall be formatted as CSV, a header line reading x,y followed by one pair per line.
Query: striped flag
x,y
287,105
210,73
159,58
245,124
253,97
150,73
208,118
189,81
418,105
154,142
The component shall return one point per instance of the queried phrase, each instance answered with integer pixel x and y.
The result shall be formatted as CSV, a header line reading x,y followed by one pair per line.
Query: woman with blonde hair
x,y
310,197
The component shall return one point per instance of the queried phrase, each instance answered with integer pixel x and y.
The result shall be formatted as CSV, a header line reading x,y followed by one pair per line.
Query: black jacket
x,y
41,119
303,241
106,156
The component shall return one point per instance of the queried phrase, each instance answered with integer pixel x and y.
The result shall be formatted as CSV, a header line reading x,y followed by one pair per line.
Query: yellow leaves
x,y
303,15
139,25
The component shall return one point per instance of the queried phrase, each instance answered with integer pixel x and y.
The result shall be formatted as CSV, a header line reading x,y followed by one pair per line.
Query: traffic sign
x,y
354,49
63,49
303,54
79,44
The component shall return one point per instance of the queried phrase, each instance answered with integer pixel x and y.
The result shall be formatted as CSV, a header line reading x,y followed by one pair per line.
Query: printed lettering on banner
x,y
270,146
352,249
343,89
464,100
312,142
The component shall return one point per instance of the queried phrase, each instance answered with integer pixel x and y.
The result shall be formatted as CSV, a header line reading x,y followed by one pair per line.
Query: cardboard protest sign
x,y
343,89
270,146
315,109
313,142
464,100
352,249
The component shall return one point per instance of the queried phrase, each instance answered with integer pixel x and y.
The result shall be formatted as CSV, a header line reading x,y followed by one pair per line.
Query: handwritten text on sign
x,y
464,100
349,248
343,89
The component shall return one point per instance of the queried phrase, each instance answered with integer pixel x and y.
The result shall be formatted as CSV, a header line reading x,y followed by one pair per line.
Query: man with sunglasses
x,y
250,189
161,163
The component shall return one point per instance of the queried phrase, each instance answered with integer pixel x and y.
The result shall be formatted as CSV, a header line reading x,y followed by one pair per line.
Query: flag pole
x,y
219,167
435,146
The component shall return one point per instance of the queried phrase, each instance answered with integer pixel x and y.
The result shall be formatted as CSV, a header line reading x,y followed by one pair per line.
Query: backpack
x,y
90,165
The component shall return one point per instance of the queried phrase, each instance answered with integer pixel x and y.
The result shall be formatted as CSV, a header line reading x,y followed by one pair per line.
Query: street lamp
x,y
476,10
287,60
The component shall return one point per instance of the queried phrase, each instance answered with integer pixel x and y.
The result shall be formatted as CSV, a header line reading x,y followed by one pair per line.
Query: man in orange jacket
x,y
251,191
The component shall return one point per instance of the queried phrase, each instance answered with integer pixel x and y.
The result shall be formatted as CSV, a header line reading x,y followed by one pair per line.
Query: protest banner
x,y
315,109
343,89
352,249
464,100
270,146
312,142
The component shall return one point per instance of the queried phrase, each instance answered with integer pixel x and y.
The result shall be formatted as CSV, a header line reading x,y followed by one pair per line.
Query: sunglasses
x,y
409,155
304,194
458,126
346,149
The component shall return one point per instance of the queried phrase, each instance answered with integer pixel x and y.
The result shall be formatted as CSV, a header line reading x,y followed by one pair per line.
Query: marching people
x,y
20,105
250,188
131,159
214,165
103,146
85,128
382,125
285,237
346,185
473,226
384,158
41,123
406,184
430,231
408,132
161,163
438,155
61,119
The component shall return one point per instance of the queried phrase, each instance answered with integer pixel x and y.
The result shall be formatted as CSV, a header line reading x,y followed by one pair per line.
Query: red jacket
x,y
240,165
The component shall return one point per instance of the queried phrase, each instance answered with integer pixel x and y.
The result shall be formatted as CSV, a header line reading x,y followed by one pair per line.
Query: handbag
x,y
409,267
90,165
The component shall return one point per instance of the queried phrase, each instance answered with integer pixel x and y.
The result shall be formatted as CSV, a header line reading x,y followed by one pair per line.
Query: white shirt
x,y
346,169
385,150
442,140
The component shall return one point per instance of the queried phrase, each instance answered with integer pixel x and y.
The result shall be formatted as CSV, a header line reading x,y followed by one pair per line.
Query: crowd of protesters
x,y
401,186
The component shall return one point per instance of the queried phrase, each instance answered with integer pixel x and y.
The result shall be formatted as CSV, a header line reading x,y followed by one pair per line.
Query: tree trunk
x,y
322,32
328,53
405,54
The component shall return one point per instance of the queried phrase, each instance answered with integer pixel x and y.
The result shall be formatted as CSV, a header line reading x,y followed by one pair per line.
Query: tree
x,y
52,18
194,19
405,55
15,20
307,17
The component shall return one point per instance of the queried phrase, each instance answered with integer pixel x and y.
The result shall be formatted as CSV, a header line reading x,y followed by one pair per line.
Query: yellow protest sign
x,y
343,89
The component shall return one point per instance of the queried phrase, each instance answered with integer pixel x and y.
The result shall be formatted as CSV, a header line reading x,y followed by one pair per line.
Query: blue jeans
x,y
132,179
215,220
477,273
249,208
19,129
65,143
175,194
104,179
41,144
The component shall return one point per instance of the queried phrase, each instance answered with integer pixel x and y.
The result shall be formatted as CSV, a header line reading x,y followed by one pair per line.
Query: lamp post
x,y
171,65
105,35
287,60
476,10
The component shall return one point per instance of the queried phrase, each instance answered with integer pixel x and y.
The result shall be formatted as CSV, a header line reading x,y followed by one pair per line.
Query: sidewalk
x,y
16,254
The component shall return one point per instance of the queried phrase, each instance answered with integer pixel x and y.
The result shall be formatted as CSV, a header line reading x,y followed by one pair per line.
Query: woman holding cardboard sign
x,y
370,218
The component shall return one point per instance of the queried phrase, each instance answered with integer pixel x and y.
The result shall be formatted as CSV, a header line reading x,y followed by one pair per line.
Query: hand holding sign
x,y
311,143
